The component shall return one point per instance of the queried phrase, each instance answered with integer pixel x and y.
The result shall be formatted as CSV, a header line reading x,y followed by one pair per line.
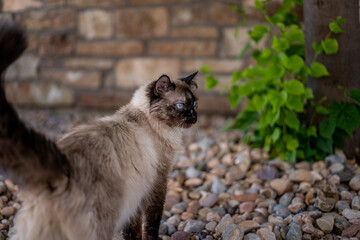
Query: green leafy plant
x,y
275,116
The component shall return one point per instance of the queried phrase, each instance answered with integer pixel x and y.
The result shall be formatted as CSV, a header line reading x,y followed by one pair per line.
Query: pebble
x,y
265,234
351,214
251,236
174,220
232,232
326,223
211,226
281,210
192,172
194,226
355,203
8,211
218,186
351,231
279,185
248,225
285,199
209,200
355,183
181,235
336,167
193,182
301,175
325,204
294,233
268,173
224,222
246,207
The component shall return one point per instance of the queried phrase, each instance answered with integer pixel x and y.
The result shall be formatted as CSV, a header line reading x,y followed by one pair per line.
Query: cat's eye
x,y
195,105
179,106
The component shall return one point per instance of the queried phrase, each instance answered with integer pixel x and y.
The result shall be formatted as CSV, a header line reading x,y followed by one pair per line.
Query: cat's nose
x,y
193,119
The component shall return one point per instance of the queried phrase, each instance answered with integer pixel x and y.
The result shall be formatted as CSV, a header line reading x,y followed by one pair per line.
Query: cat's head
x,y
173,101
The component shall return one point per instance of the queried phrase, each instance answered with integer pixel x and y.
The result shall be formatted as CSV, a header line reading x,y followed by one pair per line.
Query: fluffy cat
x,y
100,178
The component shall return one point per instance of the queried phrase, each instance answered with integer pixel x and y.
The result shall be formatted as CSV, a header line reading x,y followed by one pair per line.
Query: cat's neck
x,y
140,101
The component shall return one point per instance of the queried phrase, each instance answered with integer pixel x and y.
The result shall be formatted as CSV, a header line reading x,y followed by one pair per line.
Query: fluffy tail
x,y
26,157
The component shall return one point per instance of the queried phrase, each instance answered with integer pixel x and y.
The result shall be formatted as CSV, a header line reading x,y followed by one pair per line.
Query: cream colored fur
x,y
115,161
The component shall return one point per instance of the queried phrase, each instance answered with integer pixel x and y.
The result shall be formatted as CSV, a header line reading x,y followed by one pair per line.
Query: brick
x,y
230,45
39,93
54,3
182,48
216,65
19,5
214,103
131,73
223,85
115,49
96,3
95,24
88,63
76,78
103,99
142,2
186,15
54,19
32,40
56,44
220,13
24,68
142,23
195,32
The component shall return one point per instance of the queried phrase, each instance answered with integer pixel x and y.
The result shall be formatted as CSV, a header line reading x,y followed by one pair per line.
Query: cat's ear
x,y
190,80
163,84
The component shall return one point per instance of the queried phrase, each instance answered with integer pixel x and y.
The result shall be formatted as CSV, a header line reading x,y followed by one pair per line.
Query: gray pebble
x,y
232,232
218,186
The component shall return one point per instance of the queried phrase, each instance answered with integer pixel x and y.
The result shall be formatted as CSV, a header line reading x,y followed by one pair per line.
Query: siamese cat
x,y
103,177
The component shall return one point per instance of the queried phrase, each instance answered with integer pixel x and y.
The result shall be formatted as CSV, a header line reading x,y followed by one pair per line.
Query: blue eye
x,y
179,106
195,105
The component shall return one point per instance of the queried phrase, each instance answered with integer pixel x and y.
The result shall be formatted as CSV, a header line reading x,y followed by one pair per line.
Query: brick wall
x,y
94,53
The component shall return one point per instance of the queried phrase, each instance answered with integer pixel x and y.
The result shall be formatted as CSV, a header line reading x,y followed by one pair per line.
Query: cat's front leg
x,y
154,205
133,229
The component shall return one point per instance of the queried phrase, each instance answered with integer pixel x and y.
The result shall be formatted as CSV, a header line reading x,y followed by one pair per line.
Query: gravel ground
x,y
222,189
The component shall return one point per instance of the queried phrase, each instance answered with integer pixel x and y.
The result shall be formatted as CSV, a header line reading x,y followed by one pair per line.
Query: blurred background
x,y
93,54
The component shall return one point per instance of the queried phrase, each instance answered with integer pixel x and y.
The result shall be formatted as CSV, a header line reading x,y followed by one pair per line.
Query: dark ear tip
x,y
164,76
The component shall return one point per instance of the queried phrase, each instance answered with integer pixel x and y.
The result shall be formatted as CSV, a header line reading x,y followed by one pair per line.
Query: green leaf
x,y
277,99
311,131
236,76
291,120
294,87
259,101
335,28
236,9
291,156
355,95
246,89
280,44
326,128
341,20
259,5
318,70
321,110
211,82
292,144
317,47
295,103
276,134
258,32
205,69
271,117
330,46
296,63
324,145
296,35
284,59
308,93
234,96
345,115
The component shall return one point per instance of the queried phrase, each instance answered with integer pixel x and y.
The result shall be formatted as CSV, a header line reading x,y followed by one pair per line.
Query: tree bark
x,y
344,67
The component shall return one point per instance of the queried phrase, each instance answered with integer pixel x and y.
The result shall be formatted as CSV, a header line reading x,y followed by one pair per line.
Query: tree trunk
x,y
344,67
